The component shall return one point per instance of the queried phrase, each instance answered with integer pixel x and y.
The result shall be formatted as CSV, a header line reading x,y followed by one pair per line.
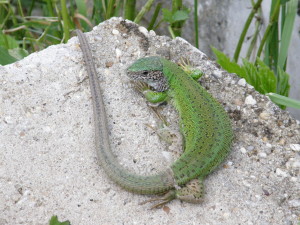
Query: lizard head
x,y
149,70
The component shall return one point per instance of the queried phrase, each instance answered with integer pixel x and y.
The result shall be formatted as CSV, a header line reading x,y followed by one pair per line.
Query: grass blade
x,y
282,100
154,17
143,11
196,23
287,32
129,9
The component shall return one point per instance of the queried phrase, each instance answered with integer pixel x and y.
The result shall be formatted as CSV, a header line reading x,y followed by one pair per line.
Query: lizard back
x,y
204,124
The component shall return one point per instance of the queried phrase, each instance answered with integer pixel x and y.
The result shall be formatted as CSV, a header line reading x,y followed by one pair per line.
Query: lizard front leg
x,y
153,97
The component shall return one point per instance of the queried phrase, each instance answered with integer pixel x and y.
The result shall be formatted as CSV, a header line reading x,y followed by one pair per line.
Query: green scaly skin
x,y
204,125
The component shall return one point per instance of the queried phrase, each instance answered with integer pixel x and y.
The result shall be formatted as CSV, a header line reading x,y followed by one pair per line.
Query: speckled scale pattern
x,y
204,123
205,127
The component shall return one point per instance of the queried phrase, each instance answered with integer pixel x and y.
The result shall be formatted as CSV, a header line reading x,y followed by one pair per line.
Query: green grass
x,y
21,32
267,74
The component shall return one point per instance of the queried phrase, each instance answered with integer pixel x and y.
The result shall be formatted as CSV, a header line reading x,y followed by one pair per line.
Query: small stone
x,y
262,154
243,150
250,100
289,163
258,197
245,183
227,215
108,64
294,203
266,192
296,164
242,82
250,86
8,120
265,139
294,179
152,33
238,102
281,173
295,147
98,38
268,145
217,73
264,116
281,141
115,32
250,148
143,30
118,53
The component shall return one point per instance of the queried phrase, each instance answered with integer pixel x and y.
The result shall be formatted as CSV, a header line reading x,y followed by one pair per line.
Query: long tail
x,y
132,182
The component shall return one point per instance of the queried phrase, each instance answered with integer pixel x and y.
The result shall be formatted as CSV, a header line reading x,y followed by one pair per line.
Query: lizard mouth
x,y
153,79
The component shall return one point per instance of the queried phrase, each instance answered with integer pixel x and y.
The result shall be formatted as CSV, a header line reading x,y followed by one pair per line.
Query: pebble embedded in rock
x,y
264,116
250,100
243,150
295,147
115,32
262,154
281,173
242,82
143,30
294,203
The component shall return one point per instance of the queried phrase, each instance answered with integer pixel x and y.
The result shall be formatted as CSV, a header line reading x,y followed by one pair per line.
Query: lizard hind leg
x,y
192,192
169,196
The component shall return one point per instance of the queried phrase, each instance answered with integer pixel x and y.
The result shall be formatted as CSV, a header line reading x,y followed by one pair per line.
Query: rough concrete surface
x,y
48,163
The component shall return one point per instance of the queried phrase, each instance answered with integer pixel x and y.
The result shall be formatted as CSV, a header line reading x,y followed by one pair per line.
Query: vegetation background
x,y
28,26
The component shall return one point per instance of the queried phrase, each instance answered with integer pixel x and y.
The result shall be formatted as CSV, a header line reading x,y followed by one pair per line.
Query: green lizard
x,y
204,124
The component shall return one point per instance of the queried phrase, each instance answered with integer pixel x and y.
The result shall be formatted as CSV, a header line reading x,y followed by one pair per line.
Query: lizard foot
x,y
193,72
169,196
152,96
192,192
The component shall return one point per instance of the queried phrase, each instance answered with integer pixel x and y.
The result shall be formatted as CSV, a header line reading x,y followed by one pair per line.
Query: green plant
x,y
176,17
261,77
275,43
21,32
282,100
54,221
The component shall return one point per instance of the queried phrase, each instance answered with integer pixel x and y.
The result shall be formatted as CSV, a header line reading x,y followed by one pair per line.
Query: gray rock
x,y
48,162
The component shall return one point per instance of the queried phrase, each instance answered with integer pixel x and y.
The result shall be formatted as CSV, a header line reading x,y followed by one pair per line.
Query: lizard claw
x,y
169,196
